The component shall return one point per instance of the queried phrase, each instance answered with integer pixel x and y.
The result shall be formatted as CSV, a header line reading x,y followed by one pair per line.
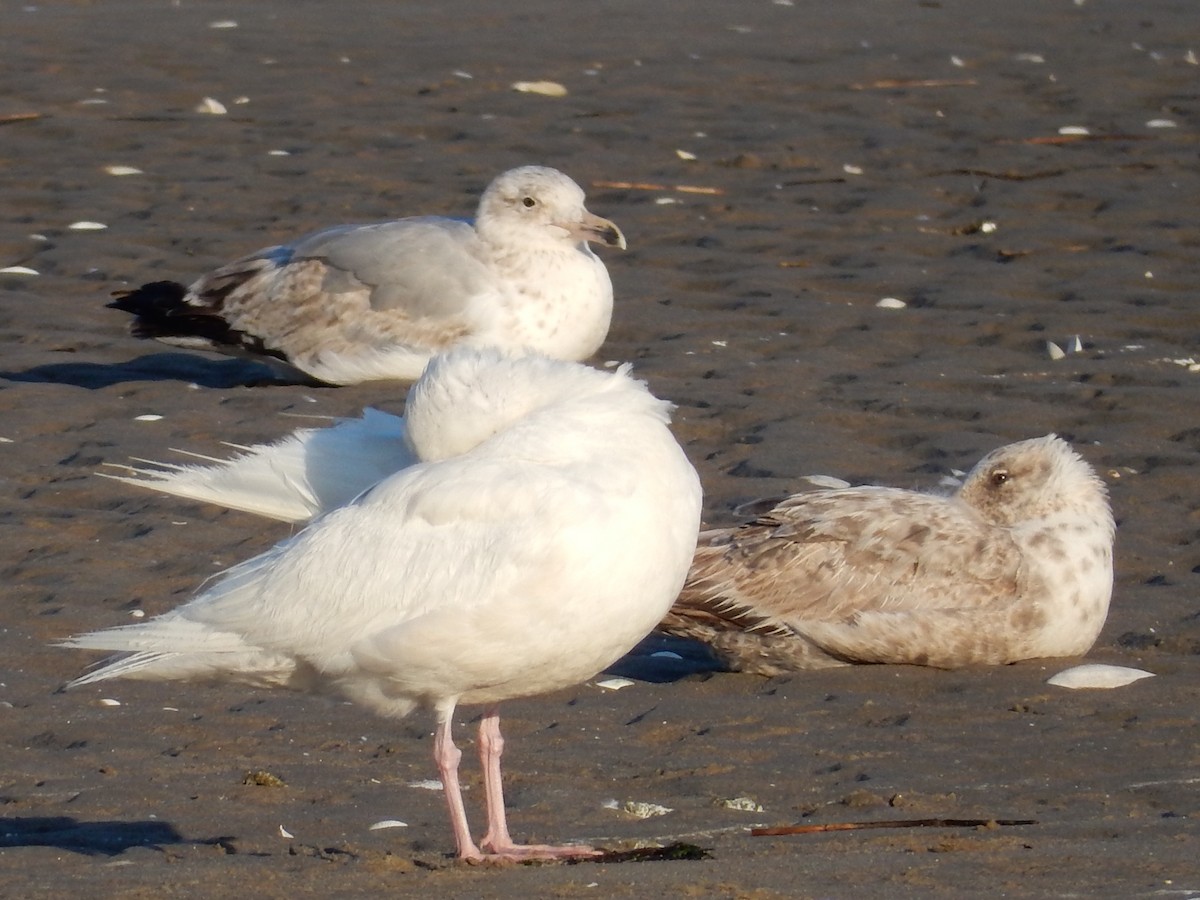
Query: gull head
x,y
534,204
1035,479
468,394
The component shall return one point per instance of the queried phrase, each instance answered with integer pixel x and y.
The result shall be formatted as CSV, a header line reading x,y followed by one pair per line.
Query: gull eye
x,y
1000,477
528,202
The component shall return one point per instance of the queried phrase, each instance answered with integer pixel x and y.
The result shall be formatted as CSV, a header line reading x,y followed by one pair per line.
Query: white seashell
x,y
615,684
987,227
545,88
1073,129
1055,351
1031,57
223,23
610,803
1162,123
428,784
1076,345
284,833
240,101
209,106
388,823
957,61
642,810
4,440
138,613
123,170
278,153
18,270
108,701
665,201
826,481
87,226
1096,675
743,803
852,169
148,417
891,303
685,155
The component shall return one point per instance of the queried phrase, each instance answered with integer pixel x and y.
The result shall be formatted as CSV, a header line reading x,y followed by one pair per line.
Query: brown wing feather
x,y
837,556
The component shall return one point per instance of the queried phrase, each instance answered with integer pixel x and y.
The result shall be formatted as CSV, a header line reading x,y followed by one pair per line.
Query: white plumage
x,y
311,471
545,528
359,303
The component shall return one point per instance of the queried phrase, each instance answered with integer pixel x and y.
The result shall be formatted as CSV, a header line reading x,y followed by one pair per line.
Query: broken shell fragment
x,y
209,106
545,88
388,823
1097,675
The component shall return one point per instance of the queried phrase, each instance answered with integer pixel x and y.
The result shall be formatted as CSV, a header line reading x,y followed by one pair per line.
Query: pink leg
x,y
447,756
497,841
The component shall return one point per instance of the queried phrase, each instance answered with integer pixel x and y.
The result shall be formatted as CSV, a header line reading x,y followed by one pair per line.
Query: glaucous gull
x,y
1017,564
546,526
359,303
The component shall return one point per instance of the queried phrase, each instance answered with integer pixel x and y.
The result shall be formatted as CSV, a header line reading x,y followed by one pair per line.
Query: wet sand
x,y
852,152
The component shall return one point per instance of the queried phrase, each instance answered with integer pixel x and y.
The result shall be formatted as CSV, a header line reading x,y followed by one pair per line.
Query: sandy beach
x,y
1014,176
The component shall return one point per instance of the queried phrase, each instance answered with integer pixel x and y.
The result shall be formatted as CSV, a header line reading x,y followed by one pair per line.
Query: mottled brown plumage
x,y
1016,564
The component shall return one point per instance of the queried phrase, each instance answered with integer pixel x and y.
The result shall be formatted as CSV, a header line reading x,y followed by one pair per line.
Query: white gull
x,y
359,303
1017,564
546,527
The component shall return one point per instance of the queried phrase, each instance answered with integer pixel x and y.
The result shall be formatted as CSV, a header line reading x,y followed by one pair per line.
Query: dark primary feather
x,y
160,312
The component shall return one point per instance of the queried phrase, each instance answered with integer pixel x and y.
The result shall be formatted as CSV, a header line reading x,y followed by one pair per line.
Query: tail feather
x,y
301,476
172,647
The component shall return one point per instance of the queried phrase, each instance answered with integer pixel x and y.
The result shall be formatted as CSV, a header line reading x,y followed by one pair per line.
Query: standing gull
x,y
546,527
1017,564
360,303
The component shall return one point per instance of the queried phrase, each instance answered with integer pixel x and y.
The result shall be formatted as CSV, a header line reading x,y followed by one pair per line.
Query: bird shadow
x,y
89,838
661,659
224,373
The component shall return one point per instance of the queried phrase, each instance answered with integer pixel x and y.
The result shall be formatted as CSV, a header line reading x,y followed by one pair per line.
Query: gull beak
x,y
598,230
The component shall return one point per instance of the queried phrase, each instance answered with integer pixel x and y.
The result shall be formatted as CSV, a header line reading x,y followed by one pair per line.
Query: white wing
x,y
308,473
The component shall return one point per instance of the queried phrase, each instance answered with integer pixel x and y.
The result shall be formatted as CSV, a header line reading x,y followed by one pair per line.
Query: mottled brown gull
x,y
545,528
359,303
1017,564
